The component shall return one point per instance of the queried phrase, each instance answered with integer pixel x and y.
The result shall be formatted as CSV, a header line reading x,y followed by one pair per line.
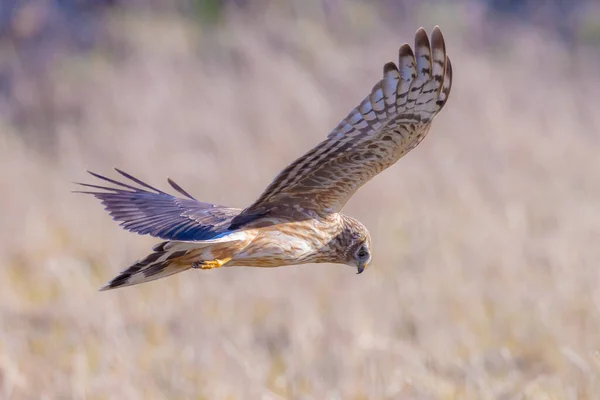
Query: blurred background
x,y
484,283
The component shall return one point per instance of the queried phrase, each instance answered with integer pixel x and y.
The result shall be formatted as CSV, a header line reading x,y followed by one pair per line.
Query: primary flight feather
x,y
297,219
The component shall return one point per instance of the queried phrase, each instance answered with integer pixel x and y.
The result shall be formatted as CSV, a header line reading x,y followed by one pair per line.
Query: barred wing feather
x,y
387,124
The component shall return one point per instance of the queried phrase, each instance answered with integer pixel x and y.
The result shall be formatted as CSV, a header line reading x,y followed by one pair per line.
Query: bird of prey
x,y
297,219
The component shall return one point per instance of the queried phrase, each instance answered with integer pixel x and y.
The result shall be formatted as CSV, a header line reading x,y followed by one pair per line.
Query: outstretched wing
x,y
150,211
387,124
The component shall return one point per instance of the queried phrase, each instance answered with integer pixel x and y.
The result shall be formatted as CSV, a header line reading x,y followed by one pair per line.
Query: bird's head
x,y
356,242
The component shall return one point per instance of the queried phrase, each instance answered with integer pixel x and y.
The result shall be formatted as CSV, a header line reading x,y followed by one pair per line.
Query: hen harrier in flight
x,y
297,219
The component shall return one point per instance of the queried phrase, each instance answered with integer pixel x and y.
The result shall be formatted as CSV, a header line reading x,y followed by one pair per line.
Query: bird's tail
x,y
167,258
174,256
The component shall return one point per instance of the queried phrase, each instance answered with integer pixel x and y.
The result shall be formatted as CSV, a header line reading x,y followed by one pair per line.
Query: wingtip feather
x,y
138,181
389,66
421,38
437,40
406,51
178,188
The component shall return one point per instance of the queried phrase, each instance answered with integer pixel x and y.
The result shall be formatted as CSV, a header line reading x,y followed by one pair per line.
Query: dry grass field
x,y
485,277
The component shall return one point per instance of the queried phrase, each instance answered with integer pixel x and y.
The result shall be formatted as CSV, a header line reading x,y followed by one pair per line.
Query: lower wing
x,y
150,211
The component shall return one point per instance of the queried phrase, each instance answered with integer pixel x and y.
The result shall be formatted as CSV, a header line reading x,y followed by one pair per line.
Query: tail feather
x,y
173,256
159,264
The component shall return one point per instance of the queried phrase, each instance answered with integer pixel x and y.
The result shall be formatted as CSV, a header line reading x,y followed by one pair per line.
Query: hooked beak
x,y
361,268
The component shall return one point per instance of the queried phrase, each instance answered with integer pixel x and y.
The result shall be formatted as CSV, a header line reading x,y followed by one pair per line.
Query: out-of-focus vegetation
x,y
484,283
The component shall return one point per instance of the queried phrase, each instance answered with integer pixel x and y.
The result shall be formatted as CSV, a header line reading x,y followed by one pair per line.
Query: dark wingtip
x,y
437,39
421,39
138,181
180,189
406,50
79,191
389,66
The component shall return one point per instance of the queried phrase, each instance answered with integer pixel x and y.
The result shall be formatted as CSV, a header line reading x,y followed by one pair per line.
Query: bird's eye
x,y
362,253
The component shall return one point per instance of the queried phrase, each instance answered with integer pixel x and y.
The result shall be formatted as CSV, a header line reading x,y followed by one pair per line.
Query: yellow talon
x,y
211,264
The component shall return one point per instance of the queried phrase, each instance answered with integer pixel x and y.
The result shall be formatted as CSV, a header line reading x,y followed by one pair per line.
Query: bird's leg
x,y
216,263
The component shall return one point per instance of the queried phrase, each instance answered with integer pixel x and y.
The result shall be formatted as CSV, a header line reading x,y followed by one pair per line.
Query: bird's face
x,y
353,245
358,251
362,255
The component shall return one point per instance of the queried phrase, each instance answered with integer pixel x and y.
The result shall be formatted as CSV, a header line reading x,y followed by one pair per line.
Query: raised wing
x,y
387,124
150,211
